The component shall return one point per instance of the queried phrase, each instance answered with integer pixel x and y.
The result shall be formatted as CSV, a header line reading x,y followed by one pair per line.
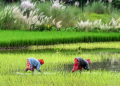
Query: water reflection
x,y
99,66
110,65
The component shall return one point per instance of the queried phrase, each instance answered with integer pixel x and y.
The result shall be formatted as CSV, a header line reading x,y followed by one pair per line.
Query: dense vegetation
x,y
18,38
58,16
58,33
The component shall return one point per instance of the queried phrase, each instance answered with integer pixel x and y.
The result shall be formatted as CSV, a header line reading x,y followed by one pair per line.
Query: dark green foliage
x,y
116,3
79,48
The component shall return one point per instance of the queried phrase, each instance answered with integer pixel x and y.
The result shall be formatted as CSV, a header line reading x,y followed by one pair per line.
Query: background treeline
x,y
115,3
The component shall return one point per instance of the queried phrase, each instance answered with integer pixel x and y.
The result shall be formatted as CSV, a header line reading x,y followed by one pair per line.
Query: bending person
x,y
79,63
33,63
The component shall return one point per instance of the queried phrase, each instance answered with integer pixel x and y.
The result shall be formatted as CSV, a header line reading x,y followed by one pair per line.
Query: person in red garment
x,y
33,63
79,63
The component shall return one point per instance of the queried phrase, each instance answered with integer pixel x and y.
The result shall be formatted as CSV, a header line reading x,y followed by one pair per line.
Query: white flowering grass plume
x,y
16,13
6,17
76,4
57,5
57,24
34,18
87,2
114,24
27,5
110,1
84,25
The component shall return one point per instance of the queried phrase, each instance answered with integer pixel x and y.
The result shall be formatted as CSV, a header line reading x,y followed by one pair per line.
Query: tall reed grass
x,y
64,17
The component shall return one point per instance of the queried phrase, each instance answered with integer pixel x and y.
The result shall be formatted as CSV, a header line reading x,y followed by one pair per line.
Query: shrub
x,y
96,7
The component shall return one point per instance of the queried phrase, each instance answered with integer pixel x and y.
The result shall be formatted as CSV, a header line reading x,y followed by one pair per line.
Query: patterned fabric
x,y
29,65
34,63
76,67
88,61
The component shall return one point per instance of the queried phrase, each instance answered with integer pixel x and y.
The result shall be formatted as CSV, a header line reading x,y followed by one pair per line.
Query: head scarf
x,y
88,60
41,61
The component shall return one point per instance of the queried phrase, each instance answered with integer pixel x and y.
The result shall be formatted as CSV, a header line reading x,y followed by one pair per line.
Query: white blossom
x,y
26,5
76,3
110,1
58,24
87,2
56,5
53,21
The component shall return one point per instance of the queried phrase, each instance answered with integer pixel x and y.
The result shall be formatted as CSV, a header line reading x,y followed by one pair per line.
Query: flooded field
x,y
106,64
58,66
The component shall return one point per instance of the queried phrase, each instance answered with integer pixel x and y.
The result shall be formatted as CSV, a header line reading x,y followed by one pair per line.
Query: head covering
x,y
41,61
88,60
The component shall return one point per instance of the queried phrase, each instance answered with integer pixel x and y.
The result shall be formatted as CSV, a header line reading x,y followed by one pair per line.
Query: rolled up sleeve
x,y
38,67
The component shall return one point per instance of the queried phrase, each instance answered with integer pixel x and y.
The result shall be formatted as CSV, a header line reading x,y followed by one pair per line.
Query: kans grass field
x,y
45,32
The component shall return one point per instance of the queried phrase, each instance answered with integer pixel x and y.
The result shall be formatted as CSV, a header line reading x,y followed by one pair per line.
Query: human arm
x,y
86,67
75,67
39,71
76,63
38,67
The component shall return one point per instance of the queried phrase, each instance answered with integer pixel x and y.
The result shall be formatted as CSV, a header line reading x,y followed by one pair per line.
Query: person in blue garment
x,y
33,63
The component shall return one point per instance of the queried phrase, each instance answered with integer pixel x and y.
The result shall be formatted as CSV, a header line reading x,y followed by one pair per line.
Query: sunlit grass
x,y
75,46
62,79
10,63
17,62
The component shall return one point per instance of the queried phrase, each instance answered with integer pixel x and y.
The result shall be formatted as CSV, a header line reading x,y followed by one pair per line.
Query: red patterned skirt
x,y
76,67
29,65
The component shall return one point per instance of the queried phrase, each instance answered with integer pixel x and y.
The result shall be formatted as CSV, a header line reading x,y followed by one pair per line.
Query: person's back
x,y
82,62
79,63
34,62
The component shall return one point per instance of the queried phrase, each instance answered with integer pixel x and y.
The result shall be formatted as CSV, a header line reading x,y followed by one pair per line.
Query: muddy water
x,y
115,66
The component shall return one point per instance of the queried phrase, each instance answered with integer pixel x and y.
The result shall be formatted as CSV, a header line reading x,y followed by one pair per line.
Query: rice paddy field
x,y
16,38
57,69
46,33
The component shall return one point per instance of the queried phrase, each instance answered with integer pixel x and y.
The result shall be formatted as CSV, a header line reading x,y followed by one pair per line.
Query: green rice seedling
x,y
14,63
61,80
26,38
74,46
54,63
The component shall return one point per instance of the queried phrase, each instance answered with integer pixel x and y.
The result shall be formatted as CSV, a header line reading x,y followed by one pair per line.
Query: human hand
x,y
39,71
32,70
